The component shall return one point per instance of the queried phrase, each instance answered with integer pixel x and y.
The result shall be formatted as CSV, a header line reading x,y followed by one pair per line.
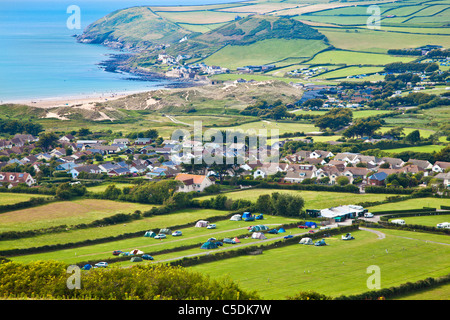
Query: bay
x,y
40,58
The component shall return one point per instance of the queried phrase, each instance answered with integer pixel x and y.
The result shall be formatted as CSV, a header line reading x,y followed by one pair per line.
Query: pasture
x,y
429,202
340,268
7,198
313,199
65,213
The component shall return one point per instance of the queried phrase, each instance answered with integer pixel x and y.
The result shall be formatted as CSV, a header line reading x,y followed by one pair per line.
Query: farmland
x,y
292,69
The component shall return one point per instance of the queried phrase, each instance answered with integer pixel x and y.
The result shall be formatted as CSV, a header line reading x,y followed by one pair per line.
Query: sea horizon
x,y
43,60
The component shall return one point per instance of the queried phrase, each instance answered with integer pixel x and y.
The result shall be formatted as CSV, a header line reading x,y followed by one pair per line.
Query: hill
x,y
133,28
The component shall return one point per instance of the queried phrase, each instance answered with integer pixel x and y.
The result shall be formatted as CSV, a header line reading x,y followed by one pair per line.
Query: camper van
x,y
398,221
444,225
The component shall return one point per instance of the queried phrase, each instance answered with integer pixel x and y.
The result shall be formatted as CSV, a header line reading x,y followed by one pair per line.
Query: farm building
x,y
342,213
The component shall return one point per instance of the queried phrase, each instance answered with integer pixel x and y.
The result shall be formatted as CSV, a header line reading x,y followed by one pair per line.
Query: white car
x,y
368,215
325,228
101,265
211,226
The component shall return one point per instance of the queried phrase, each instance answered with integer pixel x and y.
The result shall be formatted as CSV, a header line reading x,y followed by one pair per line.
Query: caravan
x,y
443,225
398,221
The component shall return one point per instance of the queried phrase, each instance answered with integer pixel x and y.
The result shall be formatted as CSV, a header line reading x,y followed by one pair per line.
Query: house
x,y
124,141
298,176
394,163
192,182
321,154
377,179
91,168
66,166
424,165
330,171
12,179
445,177
67,138
120,171
354,173
440,166
142,141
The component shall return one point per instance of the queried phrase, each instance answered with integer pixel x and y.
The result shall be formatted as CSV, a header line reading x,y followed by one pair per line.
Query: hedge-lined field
x,y
336,269
313,199
65,213
12,198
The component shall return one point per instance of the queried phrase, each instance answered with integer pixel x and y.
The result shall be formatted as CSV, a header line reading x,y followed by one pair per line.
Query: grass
x,y
268,51
350,71
336,269
270,126
12,198
355,58
412,204
192,235
65,213
313,199
173,219
430,221
102,187
423,149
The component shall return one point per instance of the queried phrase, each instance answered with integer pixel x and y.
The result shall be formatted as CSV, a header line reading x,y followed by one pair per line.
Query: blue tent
x,y
310,224
86,267
259,217
209,245
281,230
246,215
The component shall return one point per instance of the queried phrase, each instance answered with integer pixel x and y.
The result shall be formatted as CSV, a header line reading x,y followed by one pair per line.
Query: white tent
x,y
136,251
258,235
306,241
201,223
236,217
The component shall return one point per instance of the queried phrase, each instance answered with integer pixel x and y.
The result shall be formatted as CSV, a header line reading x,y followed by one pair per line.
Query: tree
x,y
413,137
334,119
47,140
342,180
396,133
362,127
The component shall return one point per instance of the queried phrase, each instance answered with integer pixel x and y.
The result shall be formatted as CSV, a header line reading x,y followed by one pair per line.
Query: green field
x,y
412,204
424,149
430,220
269,51
191,235
12,198
65,213
313,199
272,126
337,269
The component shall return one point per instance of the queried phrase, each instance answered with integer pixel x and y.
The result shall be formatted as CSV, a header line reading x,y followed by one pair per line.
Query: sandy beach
x,y
69,101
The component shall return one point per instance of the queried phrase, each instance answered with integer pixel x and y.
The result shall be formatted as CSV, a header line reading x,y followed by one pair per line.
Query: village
x,y
143,158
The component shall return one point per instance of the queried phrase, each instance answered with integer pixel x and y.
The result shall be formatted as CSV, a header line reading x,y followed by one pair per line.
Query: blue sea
x,y
40,58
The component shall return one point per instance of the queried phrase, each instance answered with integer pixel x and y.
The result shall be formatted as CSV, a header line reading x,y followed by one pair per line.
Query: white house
x,y
193,182
440,166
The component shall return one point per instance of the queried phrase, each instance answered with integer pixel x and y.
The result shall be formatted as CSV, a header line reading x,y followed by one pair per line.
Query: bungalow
x,y
67,166
142,141
298,176
377,179
354,173
394,163
120,171
91,168
67,138
424,165
440,166
445,177
192,182
12,179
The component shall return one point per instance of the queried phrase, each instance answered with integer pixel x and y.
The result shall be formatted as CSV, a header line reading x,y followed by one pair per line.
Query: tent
x,y
165,231
246,215
201,223
348,236
209,245
136,259
310,224
306,241
150,234
259,228
136,251
236,240
258,235
259,217
229,241
281,230
320,243
236,217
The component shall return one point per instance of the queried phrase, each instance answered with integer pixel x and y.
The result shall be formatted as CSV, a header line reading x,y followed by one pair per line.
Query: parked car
x,y
147,257
288,236
160,236
325,228
303,227
211,226
101,265
117,252
368,215
177,233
